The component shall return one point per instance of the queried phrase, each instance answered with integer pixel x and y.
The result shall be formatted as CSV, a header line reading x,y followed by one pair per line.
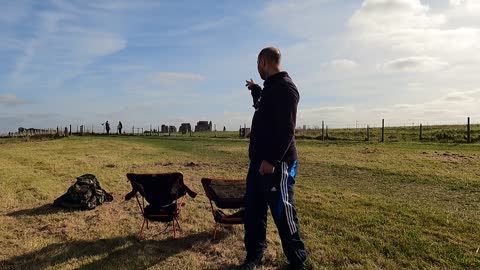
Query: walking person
x,y
119,128
273,163
107,127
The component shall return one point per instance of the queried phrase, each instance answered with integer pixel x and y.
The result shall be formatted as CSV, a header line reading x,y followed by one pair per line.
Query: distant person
x,y
119,127
224,129
107,127
273,163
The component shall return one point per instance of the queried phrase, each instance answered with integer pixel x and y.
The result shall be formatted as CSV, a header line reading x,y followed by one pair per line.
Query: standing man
x,y
273,163
119,128
107,127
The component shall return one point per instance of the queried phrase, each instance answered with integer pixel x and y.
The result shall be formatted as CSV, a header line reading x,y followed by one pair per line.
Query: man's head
x,y
269,62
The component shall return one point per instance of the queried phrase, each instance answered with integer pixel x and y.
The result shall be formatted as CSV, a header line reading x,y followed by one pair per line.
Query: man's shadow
x,y
45,209
115,253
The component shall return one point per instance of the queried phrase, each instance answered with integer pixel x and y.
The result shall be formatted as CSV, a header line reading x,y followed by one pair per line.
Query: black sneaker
x,y
247,266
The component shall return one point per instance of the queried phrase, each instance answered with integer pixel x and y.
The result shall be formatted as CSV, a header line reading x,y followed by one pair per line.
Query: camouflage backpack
x,y
85,194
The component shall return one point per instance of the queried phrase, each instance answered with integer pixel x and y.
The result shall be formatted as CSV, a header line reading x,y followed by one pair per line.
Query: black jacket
x,y
272,137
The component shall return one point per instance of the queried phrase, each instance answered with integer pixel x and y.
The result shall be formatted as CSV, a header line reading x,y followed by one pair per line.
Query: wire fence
x,y
379,131
384,131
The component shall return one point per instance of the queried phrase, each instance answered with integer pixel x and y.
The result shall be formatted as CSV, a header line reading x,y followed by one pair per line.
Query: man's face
x,y
261,68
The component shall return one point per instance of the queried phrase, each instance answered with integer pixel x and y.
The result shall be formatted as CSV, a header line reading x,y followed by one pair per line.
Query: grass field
x,y
361,205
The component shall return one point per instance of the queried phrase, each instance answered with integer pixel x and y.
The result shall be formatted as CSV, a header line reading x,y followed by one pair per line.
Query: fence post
x,y
368,133
421,132
323,130
468,130
326,132
383,130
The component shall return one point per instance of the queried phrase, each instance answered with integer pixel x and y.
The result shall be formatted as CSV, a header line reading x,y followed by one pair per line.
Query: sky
x,y
168,62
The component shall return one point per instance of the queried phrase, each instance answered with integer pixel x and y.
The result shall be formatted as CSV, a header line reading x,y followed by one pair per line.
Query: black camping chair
x,y
226,194
165,195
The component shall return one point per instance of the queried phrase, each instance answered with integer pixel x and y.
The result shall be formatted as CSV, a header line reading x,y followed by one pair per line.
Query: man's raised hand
x,y
250,83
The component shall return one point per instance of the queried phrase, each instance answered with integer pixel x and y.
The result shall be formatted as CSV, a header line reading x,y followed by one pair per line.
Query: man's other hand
x,y
250,83
266,168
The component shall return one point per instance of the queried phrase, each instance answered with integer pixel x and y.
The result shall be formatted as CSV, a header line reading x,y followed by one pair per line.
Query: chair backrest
x,y
158,189
225,193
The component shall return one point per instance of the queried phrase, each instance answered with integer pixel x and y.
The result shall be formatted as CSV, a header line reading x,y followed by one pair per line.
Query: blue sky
x,y
168,62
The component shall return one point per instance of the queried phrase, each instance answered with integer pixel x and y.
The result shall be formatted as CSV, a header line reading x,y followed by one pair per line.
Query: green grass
x,y
361,205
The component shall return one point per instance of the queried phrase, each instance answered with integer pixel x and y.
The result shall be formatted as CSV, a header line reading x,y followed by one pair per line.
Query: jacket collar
x,y
275,77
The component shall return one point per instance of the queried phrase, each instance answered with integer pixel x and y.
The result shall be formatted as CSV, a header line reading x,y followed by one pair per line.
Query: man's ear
x,y
261,61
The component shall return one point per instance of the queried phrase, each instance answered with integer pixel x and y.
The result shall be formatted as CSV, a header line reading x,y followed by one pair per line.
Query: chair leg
x,y
178,225
141,230
215,231
174,230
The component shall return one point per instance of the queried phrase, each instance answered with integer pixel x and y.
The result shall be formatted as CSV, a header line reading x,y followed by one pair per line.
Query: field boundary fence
x,y
380,131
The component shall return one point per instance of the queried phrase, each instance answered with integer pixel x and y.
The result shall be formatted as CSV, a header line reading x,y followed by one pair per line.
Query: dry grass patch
x,y
361,206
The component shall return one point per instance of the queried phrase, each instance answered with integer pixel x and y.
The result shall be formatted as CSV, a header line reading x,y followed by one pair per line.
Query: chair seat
x,y
235,218
160,213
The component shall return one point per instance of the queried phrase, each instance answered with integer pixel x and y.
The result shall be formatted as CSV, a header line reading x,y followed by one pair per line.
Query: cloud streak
x,y
66,45
10,99
414,64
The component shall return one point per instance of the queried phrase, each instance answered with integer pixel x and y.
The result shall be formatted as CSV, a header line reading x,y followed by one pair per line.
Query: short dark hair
x,y
271,54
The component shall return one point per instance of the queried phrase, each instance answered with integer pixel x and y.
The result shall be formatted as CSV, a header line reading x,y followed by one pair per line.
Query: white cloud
x,y
457,3
59,51
408,25
450,107
48,25
409,52
389,15
10,99
460,97
352,60
94,43
327,109
175,77
469,5
414,64
341,64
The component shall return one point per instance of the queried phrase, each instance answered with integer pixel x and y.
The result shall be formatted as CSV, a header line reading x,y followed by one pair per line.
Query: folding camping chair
x,y
165,195
226,194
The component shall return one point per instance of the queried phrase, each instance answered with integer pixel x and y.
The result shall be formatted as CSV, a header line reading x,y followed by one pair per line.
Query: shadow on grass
x,y
115,253
45,209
